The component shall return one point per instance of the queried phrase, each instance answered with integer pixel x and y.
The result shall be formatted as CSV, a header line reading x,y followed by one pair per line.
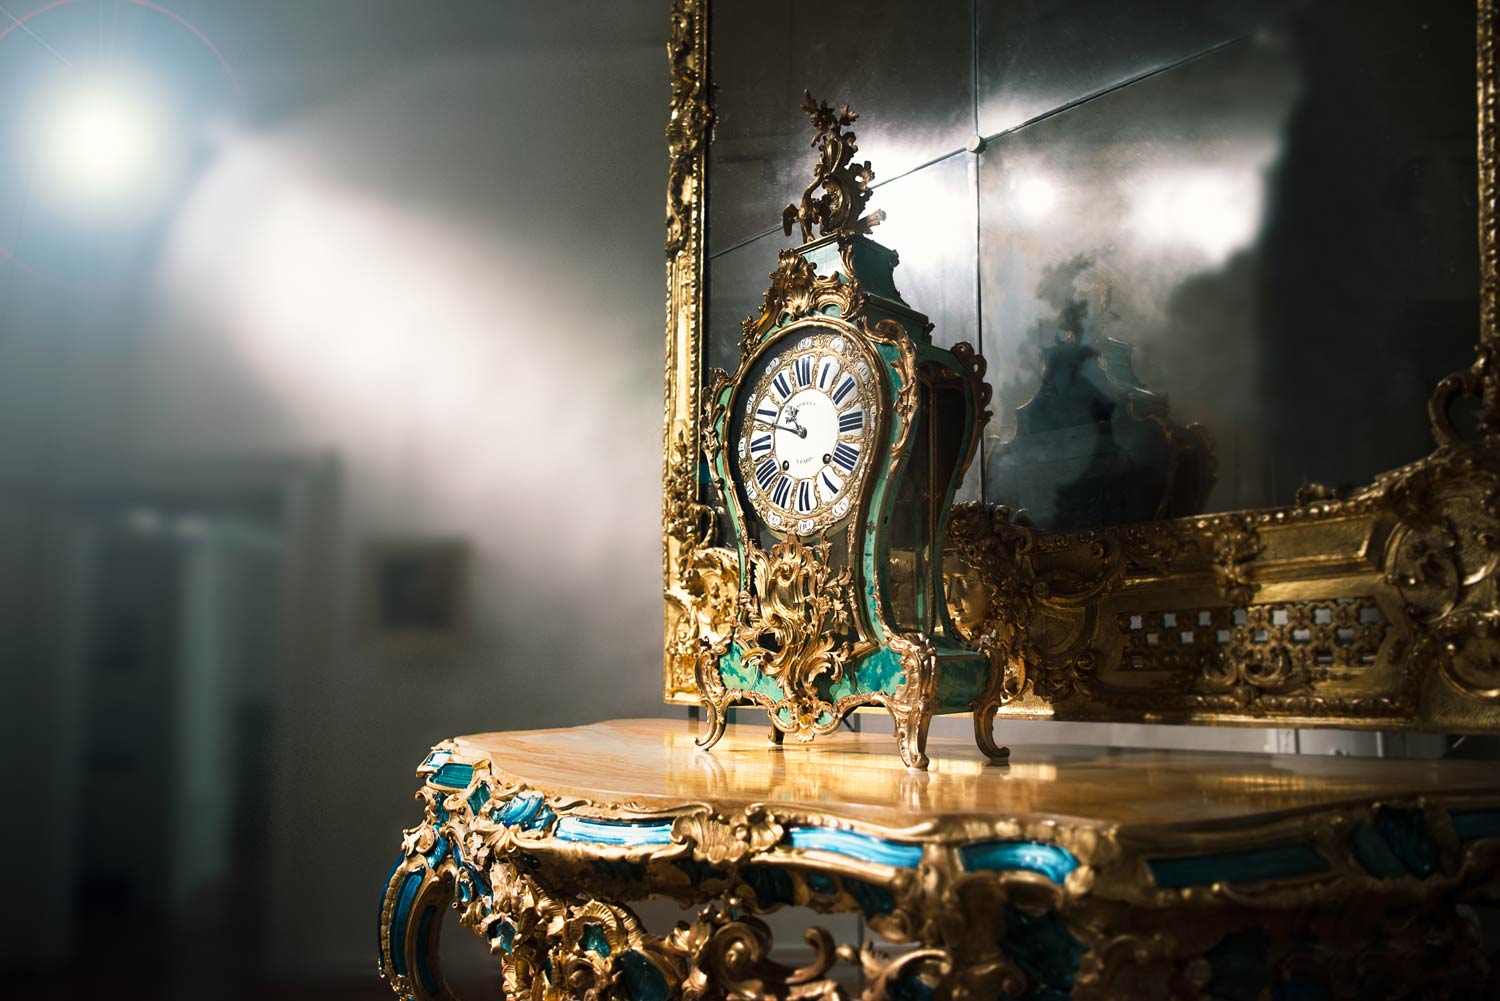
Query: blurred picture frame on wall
x,y
414,596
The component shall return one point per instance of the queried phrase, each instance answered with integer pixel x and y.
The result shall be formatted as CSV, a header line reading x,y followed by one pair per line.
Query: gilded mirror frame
x,y
1373,608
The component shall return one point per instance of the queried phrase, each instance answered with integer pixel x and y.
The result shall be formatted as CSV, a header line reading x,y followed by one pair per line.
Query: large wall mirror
x,y
1217,255
1261,215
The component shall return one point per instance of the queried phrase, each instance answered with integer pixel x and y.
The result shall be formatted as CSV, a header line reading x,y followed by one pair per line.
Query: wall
x,y
425,264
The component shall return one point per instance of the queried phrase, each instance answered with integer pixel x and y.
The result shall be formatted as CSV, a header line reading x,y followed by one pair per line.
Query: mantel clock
x,y
837,446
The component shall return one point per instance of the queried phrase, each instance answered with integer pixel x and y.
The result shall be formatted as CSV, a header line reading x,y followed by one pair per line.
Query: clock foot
x,y
984,735
777,736
717,719
911,737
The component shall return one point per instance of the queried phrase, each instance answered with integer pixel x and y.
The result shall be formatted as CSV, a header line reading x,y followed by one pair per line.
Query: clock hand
x,y
799,430
791,415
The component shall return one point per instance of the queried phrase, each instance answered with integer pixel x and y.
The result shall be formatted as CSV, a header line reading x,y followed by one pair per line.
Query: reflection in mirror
x,y
1193,242
1275,237
765,54
1037,56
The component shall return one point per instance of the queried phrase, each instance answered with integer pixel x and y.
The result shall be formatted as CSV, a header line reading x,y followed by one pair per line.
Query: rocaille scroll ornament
x,y
796,612
845,184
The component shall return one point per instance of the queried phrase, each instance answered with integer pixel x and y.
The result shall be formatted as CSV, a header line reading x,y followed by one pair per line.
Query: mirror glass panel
x,y
1198,245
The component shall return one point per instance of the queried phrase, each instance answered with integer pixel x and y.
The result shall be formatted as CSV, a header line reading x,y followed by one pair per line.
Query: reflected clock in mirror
x,y
802,441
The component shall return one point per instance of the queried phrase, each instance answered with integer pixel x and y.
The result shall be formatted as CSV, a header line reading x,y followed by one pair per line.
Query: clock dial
x,y
805,433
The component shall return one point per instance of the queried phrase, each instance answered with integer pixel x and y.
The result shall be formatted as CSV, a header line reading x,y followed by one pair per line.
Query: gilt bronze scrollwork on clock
x,y
837,446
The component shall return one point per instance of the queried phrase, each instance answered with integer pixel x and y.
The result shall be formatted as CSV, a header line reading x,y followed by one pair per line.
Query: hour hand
x,y
798,430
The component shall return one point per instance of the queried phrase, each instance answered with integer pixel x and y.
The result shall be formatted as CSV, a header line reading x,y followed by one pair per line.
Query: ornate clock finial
x,y
846,185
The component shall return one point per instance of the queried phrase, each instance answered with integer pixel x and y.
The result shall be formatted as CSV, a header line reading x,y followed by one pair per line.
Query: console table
x,y
1069,871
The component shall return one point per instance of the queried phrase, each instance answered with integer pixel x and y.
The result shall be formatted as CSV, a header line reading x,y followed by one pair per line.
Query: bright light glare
x,y
1034,197
102,140
1214,211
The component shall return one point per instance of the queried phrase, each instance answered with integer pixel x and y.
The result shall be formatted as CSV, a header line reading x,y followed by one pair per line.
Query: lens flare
x,y
102,140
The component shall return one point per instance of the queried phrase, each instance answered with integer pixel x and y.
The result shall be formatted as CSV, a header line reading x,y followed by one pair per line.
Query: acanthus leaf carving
x,y
795,623
845,184
797,290
716,838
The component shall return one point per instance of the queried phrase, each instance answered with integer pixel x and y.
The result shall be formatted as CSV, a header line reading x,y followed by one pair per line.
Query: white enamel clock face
x,y
806,431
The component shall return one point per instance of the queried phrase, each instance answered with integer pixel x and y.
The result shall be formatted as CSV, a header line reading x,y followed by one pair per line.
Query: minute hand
x,y
800,432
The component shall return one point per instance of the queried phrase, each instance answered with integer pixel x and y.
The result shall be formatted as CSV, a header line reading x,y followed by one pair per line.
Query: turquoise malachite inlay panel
x,y
1471,824
478,798
643,981
879,672
614,832
736,675
856,846
540,819
518,809
1043,948
424,965
822,885
594,941
505,932
1249,866
1051,861
961,680
453,775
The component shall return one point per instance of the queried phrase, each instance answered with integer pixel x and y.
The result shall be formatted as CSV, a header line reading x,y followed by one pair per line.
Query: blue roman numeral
x,y
851,422
826,369
845,456
783,384
828,483
765,473
804,370
759,445
845,388
782,492
804,496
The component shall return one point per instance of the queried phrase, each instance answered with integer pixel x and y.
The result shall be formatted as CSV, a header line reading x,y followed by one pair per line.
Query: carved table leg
x,y
411,918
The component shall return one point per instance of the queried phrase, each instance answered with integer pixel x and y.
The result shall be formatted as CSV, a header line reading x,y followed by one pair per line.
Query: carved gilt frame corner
x,y
1379,608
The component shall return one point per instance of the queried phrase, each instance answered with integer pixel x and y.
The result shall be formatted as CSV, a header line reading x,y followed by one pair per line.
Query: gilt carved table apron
x,y
1078,872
